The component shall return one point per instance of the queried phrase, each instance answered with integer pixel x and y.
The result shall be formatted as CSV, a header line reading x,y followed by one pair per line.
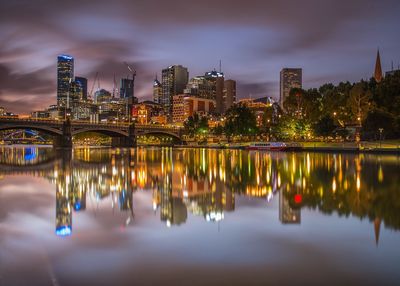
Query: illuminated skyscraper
x,y
289,78
65,75
83,85
213,86
174,80
216,80
157,91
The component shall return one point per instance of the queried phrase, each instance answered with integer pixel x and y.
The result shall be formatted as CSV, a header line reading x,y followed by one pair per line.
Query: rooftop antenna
x,y
392,65
220,66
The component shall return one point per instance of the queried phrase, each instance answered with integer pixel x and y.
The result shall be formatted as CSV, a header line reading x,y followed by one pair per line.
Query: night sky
x,y
331,40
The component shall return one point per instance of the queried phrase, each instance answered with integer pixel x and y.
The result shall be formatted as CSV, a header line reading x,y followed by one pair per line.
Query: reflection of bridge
x,y
123,134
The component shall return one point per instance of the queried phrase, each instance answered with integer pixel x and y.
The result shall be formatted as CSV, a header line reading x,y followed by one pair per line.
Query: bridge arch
x,y
104,131
45,129
175,136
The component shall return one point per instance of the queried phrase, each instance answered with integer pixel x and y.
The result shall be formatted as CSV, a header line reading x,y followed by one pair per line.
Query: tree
x,y
240,120
196,125
376,120
325,126
290,128
218,130
360,101
293,103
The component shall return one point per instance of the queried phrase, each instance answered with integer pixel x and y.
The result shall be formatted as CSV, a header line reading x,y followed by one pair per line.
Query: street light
x,y
380,137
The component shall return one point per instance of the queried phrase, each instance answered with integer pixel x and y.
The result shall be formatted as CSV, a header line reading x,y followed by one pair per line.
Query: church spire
x,y
377,228
378,68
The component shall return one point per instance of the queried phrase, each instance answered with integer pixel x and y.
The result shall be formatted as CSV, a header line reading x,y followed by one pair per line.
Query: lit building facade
x,y
40,114
199,86
185,106
148,112
157,91
65,75
213,86
289,78
174,81
82,82
229,97
217,80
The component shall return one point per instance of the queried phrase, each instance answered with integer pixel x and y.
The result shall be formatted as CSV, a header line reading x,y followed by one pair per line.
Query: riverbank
x,y
388,147
326,147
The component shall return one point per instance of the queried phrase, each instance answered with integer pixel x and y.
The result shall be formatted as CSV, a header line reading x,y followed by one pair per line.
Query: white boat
x,y
268,146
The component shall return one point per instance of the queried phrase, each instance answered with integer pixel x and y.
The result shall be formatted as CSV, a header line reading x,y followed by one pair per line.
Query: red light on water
x,y
298,198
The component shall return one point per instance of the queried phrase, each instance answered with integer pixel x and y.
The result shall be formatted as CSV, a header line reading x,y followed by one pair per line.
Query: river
x,y
149,216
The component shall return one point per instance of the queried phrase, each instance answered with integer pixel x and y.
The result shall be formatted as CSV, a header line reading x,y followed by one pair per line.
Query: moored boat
x,y
268,146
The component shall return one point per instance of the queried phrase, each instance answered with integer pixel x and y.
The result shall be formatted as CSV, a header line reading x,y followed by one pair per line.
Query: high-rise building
x,y
378,68
102,96
157,91
229,94
82,81
289,78
200,86
75,92
213,86
216,79
126,90
65,75
174,81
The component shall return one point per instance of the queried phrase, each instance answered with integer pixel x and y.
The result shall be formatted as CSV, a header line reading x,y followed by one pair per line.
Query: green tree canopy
x,y
240,120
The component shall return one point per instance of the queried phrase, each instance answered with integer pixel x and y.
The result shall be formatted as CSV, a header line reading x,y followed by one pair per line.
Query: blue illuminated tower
x,y
65,75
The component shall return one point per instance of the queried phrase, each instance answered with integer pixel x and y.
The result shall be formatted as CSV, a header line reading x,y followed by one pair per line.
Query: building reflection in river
x,y
206,182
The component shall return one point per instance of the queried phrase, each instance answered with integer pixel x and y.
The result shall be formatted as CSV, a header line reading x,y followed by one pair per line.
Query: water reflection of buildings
x,y
206,183
288,214
180,191
75,179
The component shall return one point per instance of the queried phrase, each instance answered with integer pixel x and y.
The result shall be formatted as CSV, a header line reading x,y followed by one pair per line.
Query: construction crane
x,y
132,70
96,78
131,100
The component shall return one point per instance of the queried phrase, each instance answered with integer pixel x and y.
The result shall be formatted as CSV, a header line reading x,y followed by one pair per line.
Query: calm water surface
x,y
197,217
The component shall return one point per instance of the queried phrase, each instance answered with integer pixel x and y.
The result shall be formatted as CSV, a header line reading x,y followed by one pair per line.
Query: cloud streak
x,y
254,40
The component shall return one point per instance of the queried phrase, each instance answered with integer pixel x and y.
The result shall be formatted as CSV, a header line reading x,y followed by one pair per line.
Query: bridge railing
x,y
28,119
88,123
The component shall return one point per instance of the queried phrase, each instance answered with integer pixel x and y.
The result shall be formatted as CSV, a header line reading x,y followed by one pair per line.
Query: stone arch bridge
x,y
123,134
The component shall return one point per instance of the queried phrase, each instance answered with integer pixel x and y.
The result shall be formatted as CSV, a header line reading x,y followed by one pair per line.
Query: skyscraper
x,y
213,86
157,91
82,81
289,78
229,94
126,90
378,68
216,79
174,80
65,75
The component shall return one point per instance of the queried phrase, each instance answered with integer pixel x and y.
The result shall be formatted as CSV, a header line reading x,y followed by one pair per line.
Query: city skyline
x,y
346,40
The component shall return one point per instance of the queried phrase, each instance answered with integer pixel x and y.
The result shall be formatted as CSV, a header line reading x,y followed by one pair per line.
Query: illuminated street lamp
x,y
380,137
